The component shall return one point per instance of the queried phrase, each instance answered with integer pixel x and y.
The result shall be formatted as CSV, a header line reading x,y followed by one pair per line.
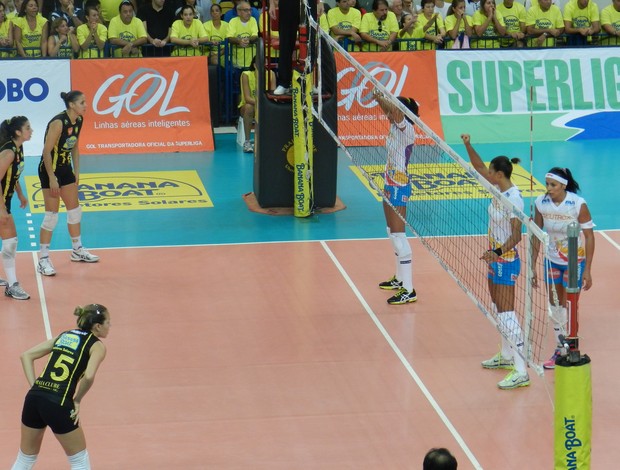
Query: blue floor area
x,y
227,174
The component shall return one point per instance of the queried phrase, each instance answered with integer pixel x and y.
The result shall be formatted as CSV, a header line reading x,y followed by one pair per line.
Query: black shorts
x,y
40,412
64,174
7,203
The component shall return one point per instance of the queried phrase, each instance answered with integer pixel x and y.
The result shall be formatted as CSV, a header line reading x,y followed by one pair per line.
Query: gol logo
x,y
132,96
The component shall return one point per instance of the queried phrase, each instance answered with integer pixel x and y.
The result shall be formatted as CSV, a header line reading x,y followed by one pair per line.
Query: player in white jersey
x,y
397,189
504,265
555,210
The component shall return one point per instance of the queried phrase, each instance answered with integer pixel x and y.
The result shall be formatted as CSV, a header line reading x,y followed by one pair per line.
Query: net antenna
x,y
448,209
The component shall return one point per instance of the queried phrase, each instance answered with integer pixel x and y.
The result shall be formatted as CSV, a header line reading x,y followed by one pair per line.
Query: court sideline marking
x,y
416,378
44,312
610,240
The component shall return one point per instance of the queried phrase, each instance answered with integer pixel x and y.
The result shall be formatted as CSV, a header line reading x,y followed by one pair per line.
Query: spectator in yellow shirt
x,y
127,32
92,35
610,21
188,34
581,21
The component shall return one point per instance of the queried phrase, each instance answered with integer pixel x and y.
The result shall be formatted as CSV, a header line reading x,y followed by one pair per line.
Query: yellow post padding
x,y
302,144
573,415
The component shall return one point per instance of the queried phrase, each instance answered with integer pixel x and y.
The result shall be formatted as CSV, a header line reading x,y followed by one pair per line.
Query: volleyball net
x,y
448,207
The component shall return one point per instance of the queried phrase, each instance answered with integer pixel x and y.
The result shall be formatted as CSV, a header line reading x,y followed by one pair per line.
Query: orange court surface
x,y
247,341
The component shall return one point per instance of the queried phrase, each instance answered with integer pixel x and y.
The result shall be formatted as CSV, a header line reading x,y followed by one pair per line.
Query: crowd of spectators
x,y
486,24
122,28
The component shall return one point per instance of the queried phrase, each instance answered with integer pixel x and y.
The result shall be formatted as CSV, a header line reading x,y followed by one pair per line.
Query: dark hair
x,y
24,5
90,315
70,97
439,459
9,128
377,3
185,7
94,3
215,5
91,6
504,164
411,105
424,2
453,5
565,173
125,2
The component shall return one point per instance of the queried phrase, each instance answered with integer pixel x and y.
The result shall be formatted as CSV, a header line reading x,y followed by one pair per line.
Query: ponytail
x,y
70,96
90,315
571,185
9,128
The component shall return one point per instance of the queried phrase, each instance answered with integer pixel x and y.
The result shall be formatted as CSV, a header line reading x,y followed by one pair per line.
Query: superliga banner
x,y
32,88
408,74
571,94
144,105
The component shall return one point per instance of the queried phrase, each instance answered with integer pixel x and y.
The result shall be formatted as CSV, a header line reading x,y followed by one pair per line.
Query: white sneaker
x,y
498,362
82,255
45,267
248,147
514,380
15,291
280,90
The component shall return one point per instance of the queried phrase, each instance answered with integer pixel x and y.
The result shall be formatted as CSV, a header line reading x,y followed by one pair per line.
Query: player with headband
x,y
555,210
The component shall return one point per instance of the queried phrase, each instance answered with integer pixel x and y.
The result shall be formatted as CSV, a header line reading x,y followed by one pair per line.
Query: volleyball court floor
x,y
247,341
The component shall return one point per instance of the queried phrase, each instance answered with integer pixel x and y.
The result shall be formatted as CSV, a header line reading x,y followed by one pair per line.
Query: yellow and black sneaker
x,y
391,284
403,297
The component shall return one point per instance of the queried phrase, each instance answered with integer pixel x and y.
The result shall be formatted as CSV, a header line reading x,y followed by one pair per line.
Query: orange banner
x,y
413,75
144,105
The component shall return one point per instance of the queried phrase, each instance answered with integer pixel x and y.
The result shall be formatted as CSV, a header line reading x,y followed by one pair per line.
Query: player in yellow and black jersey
x,y
13,133
55,396
59,173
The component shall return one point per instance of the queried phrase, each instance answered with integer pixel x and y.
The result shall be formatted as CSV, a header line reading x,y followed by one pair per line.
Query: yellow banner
x,y
573,417
302,141
132,191
441,181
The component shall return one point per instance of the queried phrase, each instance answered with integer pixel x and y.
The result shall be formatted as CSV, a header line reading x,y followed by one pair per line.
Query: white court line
x,y
610,240
404,361
44,314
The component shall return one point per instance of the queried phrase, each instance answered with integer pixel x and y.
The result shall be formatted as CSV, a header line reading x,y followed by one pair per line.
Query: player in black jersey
x,y
59,172
13,133
55,396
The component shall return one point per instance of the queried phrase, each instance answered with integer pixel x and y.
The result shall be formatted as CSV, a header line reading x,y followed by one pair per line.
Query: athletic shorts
x,y
64,174
558,273
397,195
40,412
7,203
505,272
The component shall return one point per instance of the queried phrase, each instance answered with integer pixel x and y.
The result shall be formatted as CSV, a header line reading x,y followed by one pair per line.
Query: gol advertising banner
x,y
360,120
32,88
144,105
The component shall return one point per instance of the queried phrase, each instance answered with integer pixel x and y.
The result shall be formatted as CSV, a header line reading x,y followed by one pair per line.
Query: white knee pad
x,y
49,221
402,249
559,315
9,248
80,461
74,216
24,462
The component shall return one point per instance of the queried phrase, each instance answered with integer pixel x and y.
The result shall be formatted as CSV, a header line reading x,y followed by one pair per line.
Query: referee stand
x,y
573,382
